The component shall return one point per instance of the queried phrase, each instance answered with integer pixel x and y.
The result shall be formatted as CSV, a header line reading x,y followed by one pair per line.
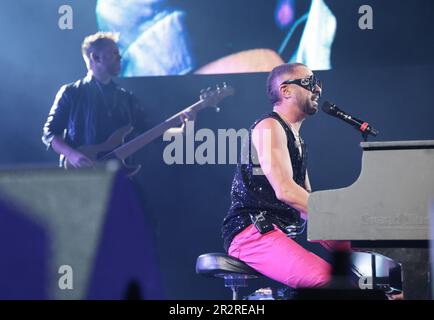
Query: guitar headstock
x,y
211,97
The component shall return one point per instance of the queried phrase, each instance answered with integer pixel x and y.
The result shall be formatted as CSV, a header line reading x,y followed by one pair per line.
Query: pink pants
x,y
281,258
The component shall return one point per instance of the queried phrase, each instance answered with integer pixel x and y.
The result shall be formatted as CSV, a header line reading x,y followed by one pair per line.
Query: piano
x,y
386,210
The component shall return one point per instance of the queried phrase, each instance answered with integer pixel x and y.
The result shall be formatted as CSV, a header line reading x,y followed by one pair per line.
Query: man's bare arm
x,y
276,164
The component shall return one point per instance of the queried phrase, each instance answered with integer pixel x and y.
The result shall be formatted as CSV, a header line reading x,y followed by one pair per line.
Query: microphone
x,y
360,125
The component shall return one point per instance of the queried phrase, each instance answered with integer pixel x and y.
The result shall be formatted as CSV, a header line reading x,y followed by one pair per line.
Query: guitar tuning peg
x,y
217,87
208,89
224,85
217,109
202,94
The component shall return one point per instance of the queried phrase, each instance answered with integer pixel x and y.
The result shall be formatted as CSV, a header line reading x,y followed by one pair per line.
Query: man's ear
x,y
285,91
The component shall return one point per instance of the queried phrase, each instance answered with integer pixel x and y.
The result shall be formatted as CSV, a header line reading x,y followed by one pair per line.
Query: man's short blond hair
x,y
95,42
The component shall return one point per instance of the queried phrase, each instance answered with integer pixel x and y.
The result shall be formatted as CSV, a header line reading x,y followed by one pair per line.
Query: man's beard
x,y
114,70
309,109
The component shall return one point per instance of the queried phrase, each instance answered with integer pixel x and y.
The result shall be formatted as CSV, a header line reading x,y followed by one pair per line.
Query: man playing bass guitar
x,y
88,111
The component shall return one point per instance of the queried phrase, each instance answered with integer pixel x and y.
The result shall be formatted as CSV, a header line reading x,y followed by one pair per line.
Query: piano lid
x,y
389,200
383,145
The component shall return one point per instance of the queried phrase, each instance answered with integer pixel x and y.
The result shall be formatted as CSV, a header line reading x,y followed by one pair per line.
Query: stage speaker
x,y
78,234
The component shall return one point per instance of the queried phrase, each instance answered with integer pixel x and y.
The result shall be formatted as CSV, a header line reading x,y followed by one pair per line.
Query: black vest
x,y
251,192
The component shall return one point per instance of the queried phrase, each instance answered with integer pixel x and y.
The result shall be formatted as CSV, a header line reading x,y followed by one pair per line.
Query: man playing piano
x,y
267,209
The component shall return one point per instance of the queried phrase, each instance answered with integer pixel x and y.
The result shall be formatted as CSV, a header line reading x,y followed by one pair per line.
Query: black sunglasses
x,y
308,83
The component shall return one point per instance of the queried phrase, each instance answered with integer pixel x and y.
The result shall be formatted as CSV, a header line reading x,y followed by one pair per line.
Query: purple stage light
x,y
285,12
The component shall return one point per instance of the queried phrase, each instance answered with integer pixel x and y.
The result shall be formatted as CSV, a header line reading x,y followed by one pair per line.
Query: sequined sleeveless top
x,y
251,192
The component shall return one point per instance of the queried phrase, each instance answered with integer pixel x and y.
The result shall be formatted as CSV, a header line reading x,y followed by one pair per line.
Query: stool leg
x,y
234,293
235,282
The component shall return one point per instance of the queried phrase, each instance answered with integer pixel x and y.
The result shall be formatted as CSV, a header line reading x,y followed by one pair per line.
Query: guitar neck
x,y
142,140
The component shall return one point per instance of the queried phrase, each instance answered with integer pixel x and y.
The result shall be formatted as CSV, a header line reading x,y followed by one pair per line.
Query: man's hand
x,y
74,158
78,160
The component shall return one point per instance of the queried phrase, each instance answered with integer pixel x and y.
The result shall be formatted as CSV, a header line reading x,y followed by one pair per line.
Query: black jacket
x,y
82,116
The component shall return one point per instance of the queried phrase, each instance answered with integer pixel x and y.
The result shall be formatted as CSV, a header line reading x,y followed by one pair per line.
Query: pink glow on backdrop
x,y
284,13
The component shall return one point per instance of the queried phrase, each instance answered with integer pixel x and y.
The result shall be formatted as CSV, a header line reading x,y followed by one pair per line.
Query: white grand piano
x,y
386,210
